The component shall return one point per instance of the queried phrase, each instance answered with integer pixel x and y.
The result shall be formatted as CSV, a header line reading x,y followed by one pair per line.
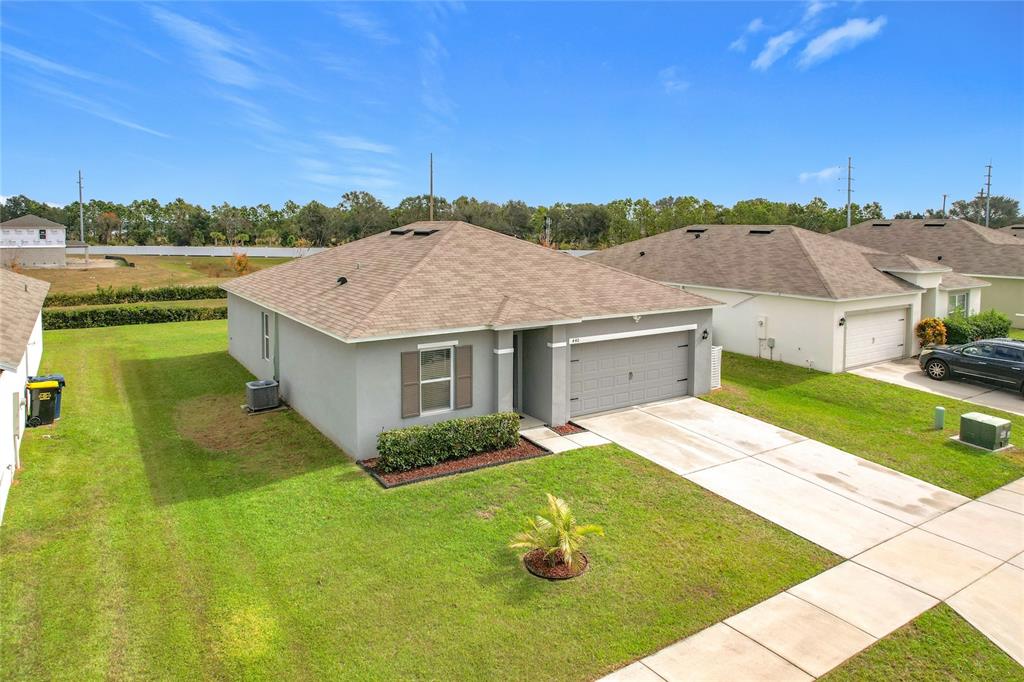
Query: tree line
x,y
360,214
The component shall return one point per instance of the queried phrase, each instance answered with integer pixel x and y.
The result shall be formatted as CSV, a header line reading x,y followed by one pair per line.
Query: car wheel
x,y
937,369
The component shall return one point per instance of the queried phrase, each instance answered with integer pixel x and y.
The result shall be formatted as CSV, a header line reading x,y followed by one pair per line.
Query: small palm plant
x,y
555,532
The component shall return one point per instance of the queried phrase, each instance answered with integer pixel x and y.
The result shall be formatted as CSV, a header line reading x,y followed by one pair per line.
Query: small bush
x,y
239,261
990,324
418,446
135,294
122,315
930,331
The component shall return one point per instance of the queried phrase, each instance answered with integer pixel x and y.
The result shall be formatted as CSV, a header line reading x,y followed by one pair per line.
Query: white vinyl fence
x,y
251,251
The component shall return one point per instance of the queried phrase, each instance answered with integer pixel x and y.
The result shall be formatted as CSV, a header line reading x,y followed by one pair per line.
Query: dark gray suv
x,y
994,361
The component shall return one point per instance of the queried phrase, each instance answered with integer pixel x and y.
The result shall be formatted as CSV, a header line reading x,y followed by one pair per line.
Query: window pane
x,y
435,396
435,364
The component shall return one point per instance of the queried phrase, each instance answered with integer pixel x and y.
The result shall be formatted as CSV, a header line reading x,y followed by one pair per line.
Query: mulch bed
x,y
524,450
566,429
536,564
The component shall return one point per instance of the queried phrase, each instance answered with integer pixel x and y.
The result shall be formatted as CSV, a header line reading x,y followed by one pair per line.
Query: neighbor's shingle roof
x,y
964,246
30,220
22,299
460,277
788,260
954,280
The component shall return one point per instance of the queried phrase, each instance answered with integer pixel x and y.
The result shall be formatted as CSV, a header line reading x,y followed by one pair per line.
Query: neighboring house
x,y
798,296
32,242
995,256
1015,230
21,347
445,319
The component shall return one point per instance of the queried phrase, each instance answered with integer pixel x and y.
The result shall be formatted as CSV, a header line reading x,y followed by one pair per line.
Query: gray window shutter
x,y
410,384
463,377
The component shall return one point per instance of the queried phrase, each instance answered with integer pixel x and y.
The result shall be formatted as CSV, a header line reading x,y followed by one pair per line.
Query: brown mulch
x,y
524,450
566,429
539,566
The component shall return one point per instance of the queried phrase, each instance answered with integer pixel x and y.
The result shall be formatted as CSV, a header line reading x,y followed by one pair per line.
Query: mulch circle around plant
x,y
536,564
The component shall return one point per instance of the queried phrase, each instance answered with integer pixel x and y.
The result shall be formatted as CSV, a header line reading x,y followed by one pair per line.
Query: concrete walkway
x,y
906,373
910,544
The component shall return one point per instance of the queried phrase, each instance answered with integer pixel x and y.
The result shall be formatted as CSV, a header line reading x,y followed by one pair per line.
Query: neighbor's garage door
x,y
875,336
610,374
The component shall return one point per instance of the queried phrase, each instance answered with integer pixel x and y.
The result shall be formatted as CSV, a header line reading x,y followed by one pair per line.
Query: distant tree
x,y
1004,210
362,214
315,223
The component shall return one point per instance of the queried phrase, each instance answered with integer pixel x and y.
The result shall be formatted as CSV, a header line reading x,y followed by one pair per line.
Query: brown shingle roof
x,y
954,280
964,246
22,299
766,258
30,221
461,277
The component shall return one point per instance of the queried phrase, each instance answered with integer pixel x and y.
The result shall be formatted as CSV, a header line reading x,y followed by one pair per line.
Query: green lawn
x,y
937,646
157,532
881,422
1017,334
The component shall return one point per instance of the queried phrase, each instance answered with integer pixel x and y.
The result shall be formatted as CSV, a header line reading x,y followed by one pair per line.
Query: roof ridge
x,y
390,296
813,262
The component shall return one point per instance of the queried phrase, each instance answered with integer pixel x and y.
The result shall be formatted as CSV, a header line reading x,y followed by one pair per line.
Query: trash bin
x,y
59,378
42,402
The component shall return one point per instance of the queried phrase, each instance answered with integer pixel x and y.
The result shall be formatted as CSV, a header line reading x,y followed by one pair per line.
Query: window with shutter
x,y
436,380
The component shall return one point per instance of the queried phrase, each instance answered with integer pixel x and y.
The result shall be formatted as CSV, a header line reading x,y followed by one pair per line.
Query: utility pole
x,y
81,216
988,191
849,191
431,186
944,195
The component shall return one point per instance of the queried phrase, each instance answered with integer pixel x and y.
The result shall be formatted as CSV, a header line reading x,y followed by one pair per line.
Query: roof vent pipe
x,y
342,280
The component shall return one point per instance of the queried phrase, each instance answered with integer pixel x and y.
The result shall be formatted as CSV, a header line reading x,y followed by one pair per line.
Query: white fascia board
x,y
503,351
437,344
8,368
918,290
594,338
969,274
535,323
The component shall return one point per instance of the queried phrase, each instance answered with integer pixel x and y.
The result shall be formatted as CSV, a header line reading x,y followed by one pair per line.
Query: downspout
x,y
277,354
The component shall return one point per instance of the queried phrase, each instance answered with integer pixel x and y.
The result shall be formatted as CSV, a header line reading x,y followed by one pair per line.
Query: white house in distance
x,y
32,242
21,348
798,296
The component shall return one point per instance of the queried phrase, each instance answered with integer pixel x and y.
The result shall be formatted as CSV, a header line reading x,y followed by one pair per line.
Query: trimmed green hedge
x,y
135,294
418,446
990,324
114,317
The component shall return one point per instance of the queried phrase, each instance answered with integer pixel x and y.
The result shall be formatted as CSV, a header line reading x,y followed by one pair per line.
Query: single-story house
x,y
437,320
798,296
32,242
21,348
1017,229
995,256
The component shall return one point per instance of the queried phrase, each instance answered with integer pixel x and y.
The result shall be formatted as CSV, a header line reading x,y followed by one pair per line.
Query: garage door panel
x,y
875,336
600,372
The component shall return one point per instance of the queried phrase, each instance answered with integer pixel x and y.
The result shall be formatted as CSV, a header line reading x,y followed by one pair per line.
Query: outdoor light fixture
x,y
842,321
704,336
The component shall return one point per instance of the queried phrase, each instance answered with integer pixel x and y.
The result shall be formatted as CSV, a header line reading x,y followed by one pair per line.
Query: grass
x,y
157,532
938,645
884,423
149,272
1017,334
197,303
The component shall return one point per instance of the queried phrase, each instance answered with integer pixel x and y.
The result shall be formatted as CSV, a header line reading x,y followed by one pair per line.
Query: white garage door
x,y
610,374
875,336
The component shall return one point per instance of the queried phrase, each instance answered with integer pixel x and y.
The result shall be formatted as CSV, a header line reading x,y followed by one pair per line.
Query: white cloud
x,y
775,49
840,39
815,8
364,24
756,25
672,81
42,64
358,144
92,106
824,175
222,58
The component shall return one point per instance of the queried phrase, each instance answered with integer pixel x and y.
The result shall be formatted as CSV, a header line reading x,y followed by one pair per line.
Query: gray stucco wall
x,y
536,360
244,337
380,385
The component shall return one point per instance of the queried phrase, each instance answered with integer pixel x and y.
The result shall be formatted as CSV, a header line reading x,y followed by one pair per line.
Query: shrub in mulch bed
x,y
542,568
568,428
522,451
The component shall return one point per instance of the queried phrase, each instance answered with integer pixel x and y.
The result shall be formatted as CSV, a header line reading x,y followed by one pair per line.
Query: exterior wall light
x,y
704,336
842,321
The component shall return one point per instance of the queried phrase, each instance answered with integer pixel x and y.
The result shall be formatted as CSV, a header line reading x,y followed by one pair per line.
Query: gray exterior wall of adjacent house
x,y
1005,295
33,257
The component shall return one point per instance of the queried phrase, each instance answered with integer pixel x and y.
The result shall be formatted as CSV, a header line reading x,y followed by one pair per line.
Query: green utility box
x,y
984,431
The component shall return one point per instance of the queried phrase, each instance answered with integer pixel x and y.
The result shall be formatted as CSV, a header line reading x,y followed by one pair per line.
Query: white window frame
x,y
966,307
450,379
265,335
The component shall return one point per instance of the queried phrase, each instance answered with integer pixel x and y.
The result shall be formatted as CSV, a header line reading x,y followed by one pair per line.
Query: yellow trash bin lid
x,y
43,384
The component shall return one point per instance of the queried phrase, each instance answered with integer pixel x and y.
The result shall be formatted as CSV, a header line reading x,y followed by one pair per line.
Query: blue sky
x,y
263,102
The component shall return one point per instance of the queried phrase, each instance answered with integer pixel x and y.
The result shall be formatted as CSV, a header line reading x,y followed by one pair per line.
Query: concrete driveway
x,y
841,502
906,373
